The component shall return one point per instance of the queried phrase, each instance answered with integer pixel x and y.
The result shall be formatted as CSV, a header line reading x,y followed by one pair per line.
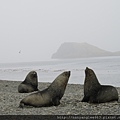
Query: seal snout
x,y
69,73
86,70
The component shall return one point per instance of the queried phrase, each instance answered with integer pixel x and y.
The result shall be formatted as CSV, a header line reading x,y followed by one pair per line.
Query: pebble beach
x,y
70,103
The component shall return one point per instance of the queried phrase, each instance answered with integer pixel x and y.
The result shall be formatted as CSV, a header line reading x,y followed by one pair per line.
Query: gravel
x,y
70,103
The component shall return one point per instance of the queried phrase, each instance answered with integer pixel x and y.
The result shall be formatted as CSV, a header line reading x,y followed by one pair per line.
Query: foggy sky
x,y
32,30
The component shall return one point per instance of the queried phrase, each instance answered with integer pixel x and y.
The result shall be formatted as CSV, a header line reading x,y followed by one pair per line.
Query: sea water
x,y
107,70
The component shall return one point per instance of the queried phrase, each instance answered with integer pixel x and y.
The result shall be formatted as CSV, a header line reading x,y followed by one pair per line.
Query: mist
x,y
32,30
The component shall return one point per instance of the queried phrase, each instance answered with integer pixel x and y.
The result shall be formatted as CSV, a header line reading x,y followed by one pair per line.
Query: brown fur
x,y
51,95
94,92
30,83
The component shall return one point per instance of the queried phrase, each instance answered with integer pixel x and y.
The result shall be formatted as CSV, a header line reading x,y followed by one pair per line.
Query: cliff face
x,y
80,50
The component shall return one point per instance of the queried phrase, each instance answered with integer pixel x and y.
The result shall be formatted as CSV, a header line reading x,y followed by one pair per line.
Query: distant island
x,y
71,50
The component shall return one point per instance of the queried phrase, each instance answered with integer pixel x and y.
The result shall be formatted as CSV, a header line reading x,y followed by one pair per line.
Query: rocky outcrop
x,y
72,50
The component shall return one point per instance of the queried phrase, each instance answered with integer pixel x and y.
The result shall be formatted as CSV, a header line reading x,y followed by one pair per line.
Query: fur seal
x,y
50,96
30,83
94,92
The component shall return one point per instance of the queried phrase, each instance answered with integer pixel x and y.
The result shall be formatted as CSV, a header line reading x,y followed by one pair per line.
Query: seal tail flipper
x,y
21,105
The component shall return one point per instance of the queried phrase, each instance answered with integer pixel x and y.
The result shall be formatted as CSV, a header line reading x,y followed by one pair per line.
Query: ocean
x,y
107,70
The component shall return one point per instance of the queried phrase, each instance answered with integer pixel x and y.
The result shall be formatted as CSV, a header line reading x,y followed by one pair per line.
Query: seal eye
x,y
34,74
67,73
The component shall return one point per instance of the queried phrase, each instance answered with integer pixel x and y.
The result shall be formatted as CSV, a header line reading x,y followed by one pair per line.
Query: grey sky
x,y
38,27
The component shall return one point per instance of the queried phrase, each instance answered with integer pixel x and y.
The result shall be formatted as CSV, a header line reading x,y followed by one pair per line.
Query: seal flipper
x,y
56,102
85,99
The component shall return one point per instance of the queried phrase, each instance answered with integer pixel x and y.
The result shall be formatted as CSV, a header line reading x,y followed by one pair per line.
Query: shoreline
x,y
70,102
